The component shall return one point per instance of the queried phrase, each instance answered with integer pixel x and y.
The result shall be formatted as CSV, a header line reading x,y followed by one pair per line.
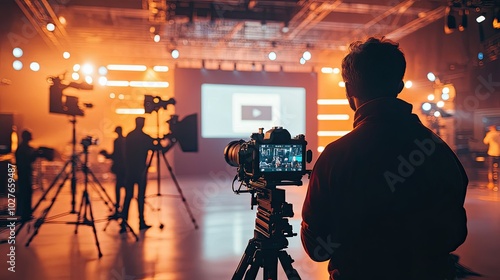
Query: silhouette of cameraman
x,y
25,156
137,145
118,166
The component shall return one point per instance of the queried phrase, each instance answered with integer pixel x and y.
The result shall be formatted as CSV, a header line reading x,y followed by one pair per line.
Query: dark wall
x,y
187,85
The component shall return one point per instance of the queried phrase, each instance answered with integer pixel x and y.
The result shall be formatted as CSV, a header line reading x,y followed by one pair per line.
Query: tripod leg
x,y
92,223
251,273
270,262
246,260
63,171
286,262
39,221
180,191
81,214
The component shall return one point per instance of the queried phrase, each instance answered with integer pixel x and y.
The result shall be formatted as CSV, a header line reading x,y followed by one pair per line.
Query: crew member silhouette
x,y
118,166
25,156
137,145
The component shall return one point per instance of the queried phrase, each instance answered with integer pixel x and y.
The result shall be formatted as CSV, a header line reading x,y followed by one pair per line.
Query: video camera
x,y
65,104
46,153
273,157
89,141
155,103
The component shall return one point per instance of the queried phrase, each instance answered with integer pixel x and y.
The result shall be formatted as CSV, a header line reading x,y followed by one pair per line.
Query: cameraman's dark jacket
x,y
386,200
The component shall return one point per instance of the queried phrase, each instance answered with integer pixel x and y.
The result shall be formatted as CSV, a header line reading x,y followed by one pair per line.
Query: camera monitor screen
x,y
280,158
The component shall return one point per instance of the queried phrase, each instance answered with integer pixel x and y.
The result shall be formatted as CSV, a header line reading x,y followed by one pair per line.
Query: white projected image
x,y
232,111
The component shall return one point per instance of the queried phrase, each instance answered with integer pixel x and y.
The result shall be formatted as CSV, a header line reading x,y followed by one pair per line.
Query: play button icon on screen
x,y
256,113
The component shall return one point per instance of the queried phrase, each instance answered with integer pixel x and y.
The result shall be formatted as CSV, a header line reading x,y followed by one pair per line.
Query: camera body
x,y
274,157
89,141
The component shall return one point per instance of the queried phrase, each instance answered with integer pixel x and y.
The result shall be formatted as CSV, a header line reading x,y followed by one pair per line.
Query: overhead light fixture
x,y
66,55
17,65
17,52
50,27
87,69
496,20
75,76
481,18
431,97
431,77
160,68
326,70
451,22
102,70
34,66
126,67
426,106
130,111
76,67
117,83
175,53
465,20
306,55
156,38
103,80
272,55
408,84
149,84
285,28
302,61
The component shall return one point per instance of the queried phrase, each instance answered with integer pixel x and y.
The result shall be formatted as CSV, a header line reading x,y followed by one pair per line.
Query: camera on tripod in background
x,y
89,141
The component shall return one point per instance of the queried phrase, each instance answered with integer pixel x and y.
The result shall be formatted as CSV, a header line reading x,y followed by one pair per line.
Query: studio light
x,y
426,106
51,27
326,70
66,55
272,55
34,66
76,67
17,52
102,70
156,38
175,54
103,80
307,55
408,84
336,70
480,18
75,76
17,65
341,84
160,68
445,96
87,69
302,61
440,103
430,97
431,77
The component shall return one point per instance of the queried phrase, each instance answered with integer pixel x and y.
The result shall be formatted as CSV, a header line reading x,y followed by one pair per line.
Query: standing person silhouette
x,y
118,165
385,201
25,156
492,139
137,146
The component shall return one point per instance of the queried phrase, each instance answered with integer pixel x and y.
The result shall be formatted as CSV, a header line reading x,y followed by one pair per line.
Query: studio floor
x,y
178,251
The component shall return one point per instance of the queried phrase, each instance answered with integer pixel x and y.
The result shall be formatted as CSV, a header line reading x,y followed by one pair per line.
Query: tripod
x,y
156,153
85,213
271,230
163,151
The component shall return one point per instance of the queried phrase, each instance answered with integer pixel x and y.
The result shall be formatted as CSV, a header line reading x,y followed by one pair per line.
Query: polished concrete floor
x,y
179,251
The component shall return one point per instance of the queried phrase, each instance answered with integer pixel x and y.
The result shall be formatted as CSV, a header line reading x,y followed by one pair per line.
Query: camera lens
x,y
231,153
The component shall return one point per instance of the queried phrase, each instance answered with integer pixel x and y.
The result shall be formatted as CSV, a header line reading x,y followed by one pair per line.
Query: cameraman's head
x,y
26,136
373,69
119,130
139,122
